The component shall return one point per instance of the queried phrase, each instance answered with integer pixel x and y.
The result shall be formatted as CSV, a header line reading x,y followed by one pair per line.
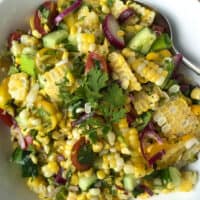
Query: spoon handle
x,y
191,66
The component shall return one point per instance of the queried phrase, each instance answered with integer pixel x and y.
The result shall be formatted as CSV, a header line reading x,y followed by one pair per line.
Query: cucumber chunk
x,y
86,182
143,41
51,40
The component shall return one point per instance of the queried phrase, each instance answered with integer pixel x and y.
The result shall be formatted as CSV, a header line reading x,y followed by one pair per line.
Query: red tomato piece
x,y
15,36
75,152
90,62
6,118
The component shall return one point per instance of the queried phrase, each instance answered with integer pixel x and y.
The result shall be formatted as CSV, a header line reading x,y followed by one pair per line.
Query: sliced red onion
x,y
177,59
60,158
68,10
130,117
82,119
158,29
121,188
146,189
129,12
59,179
156,157
152,135
110,29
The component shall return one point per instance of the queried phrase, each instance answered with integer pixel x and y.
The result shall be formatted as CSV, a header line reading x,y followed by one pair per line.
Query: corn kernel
x,y
97,147
101,175
74,179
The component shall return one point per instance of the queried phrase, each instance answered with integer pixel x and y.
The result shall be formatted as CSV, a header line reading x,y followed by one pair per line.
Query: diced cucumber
x,y
162,42
175,176
86,182
129,182
143,41
52,39
27,64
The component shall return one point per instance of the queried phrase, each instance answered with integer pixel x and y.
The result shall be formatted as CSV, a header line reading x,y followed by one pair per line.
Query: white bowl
x,y
15,14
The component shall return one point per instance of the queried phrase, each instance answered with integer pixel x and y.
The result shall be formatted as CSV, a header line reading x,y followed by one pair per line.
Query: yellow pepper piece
x,y
4,94
196,109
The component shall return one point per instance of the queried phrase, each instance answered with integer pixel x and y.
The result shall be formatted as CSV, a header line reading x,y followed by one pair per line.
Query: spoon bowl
x,y
162,21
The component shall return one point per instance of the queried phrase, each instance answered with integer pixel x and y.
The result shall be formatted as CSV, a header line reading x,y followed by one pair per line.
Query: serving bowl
x,y
14,14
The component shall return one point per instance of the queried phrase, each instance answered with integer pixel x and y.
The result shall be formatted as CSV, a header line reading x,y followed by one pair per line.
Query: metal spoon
x,y
163,21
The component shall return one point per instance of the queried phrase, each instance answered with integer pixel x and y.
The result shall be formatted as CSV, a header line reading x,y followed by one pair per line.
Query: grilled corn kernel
x,y
195,94
97,147
101,175
74,179
50,169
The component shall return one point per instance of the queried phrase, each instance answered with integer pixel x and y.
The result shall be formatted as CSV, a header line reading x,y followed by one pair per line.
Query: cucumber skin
x,y
86,182
52,39
143,41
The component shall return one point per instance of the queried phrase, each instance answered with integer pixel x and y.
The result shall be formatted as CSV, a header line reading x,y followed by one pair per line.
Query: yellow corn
x,y
100,174
122,72
195,94
150,71
4,94
50,169
196,109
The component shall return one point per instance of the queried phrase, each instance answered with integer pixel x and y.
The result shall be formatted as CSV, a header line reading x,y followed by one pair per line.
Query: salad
x,y
96,107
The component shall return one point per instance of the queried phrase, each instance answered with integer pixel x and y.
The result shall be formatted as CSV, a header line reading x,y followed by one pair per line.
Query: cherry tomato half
x,y
47,11
75,152
90,62
15,36
6,118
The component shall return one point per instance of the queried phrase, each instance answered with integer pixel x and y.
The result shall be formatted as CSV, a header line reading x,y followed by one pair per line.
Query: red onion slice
x,y
177,59
110,29
152,135
82,119
146,189
129,12
68,10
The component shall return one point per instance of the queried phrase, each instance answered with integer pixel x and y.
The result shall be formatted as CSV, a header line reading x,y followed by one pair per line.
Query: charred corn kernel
x,y
74,179
4,94
100,174
122,72
18,86
147,100
97,147
150,71
196,109
176,118
50,169
195,94
123,123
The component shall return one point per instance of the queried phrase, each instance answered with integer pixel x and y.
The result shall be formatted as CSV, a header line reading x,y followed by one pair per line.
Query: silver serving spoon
x,y
164,21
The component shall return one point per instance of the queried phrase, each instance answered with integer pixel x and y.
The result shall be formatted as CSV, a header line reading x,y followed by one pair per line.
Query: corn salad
x,y
94,110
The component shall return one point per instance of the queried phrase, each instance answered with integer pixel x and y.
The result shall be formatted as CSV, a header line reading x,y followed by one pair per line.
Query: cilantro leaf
x,y
96,80
86,155
115,96
21,157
